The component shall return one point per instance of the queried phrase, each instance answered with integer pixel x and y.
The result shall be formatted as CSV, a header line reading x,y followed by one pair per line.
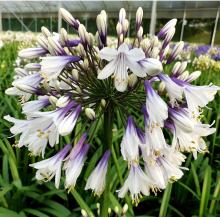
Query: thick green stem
x,y
108,125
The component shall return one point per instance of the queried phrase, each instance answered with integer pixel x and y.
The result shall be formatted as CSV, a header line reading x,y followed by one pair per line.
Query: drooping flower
x,y
130,142
32,53
25,84
52,66
35,105
154,142
44,126
155,106
162,171
47,169
199,96
97,178
74,162
137,183
174,91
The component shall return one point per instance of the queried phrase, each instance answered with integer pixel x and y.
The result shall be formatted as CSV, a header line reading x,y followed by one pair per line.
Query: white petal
x,y
123,48
121,75
152,66
136,54
136,68
107,70
108,53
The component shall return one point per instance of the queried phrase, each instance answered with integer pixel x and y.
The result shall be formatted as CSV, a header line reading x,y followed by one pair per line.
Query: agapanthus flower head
x,y
93,83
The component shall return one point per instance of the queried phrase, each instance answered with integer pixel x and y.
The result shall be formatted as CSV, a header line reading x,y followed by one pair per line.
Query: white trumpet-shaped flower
x,y
74,162
44,126
47,169
120,61
155,106
35,105
137,183
96,180
130,142
174,91
52,66
161,170
199,96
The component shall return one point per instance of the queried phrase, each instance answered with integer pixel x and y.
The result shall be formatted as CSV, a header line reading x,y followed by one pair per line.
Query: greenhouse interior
x,y
109,108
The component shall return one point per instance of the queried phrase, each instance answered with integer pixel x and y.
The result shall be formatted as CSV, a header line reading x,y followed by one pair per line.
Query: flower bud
x,y
145,44
109,210
84,213
31,53
98,205
81,50
116,209
75,74
21,72
184,75
85,64
62,101
139,17
32,67
132,80
164,52
78,90
168,37
125,25
91,39
121,38
69,18
125,208
90,113
26,88
154,41
176,68
182,67
55,46
163,32
63,37
154,53
119,29
193,76
83,34
98,40
42,41
101,22
103,103
176,51
140,33
10,91
161,86
53,100
122,15
46,31
56,85
46,86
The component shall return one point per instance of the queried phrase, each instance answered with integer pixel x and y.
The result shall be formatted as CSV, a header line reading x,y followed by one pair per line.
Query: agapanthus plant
x,y
85,85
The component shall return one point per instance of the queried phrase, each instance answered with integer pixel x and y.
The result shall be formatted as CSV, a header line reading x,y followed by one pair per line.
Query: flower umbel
x,y
96,84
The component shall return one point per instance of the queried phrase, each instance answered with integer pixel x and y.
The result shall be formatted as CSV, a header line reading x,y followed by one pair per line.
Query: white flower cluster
x,y
77,80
